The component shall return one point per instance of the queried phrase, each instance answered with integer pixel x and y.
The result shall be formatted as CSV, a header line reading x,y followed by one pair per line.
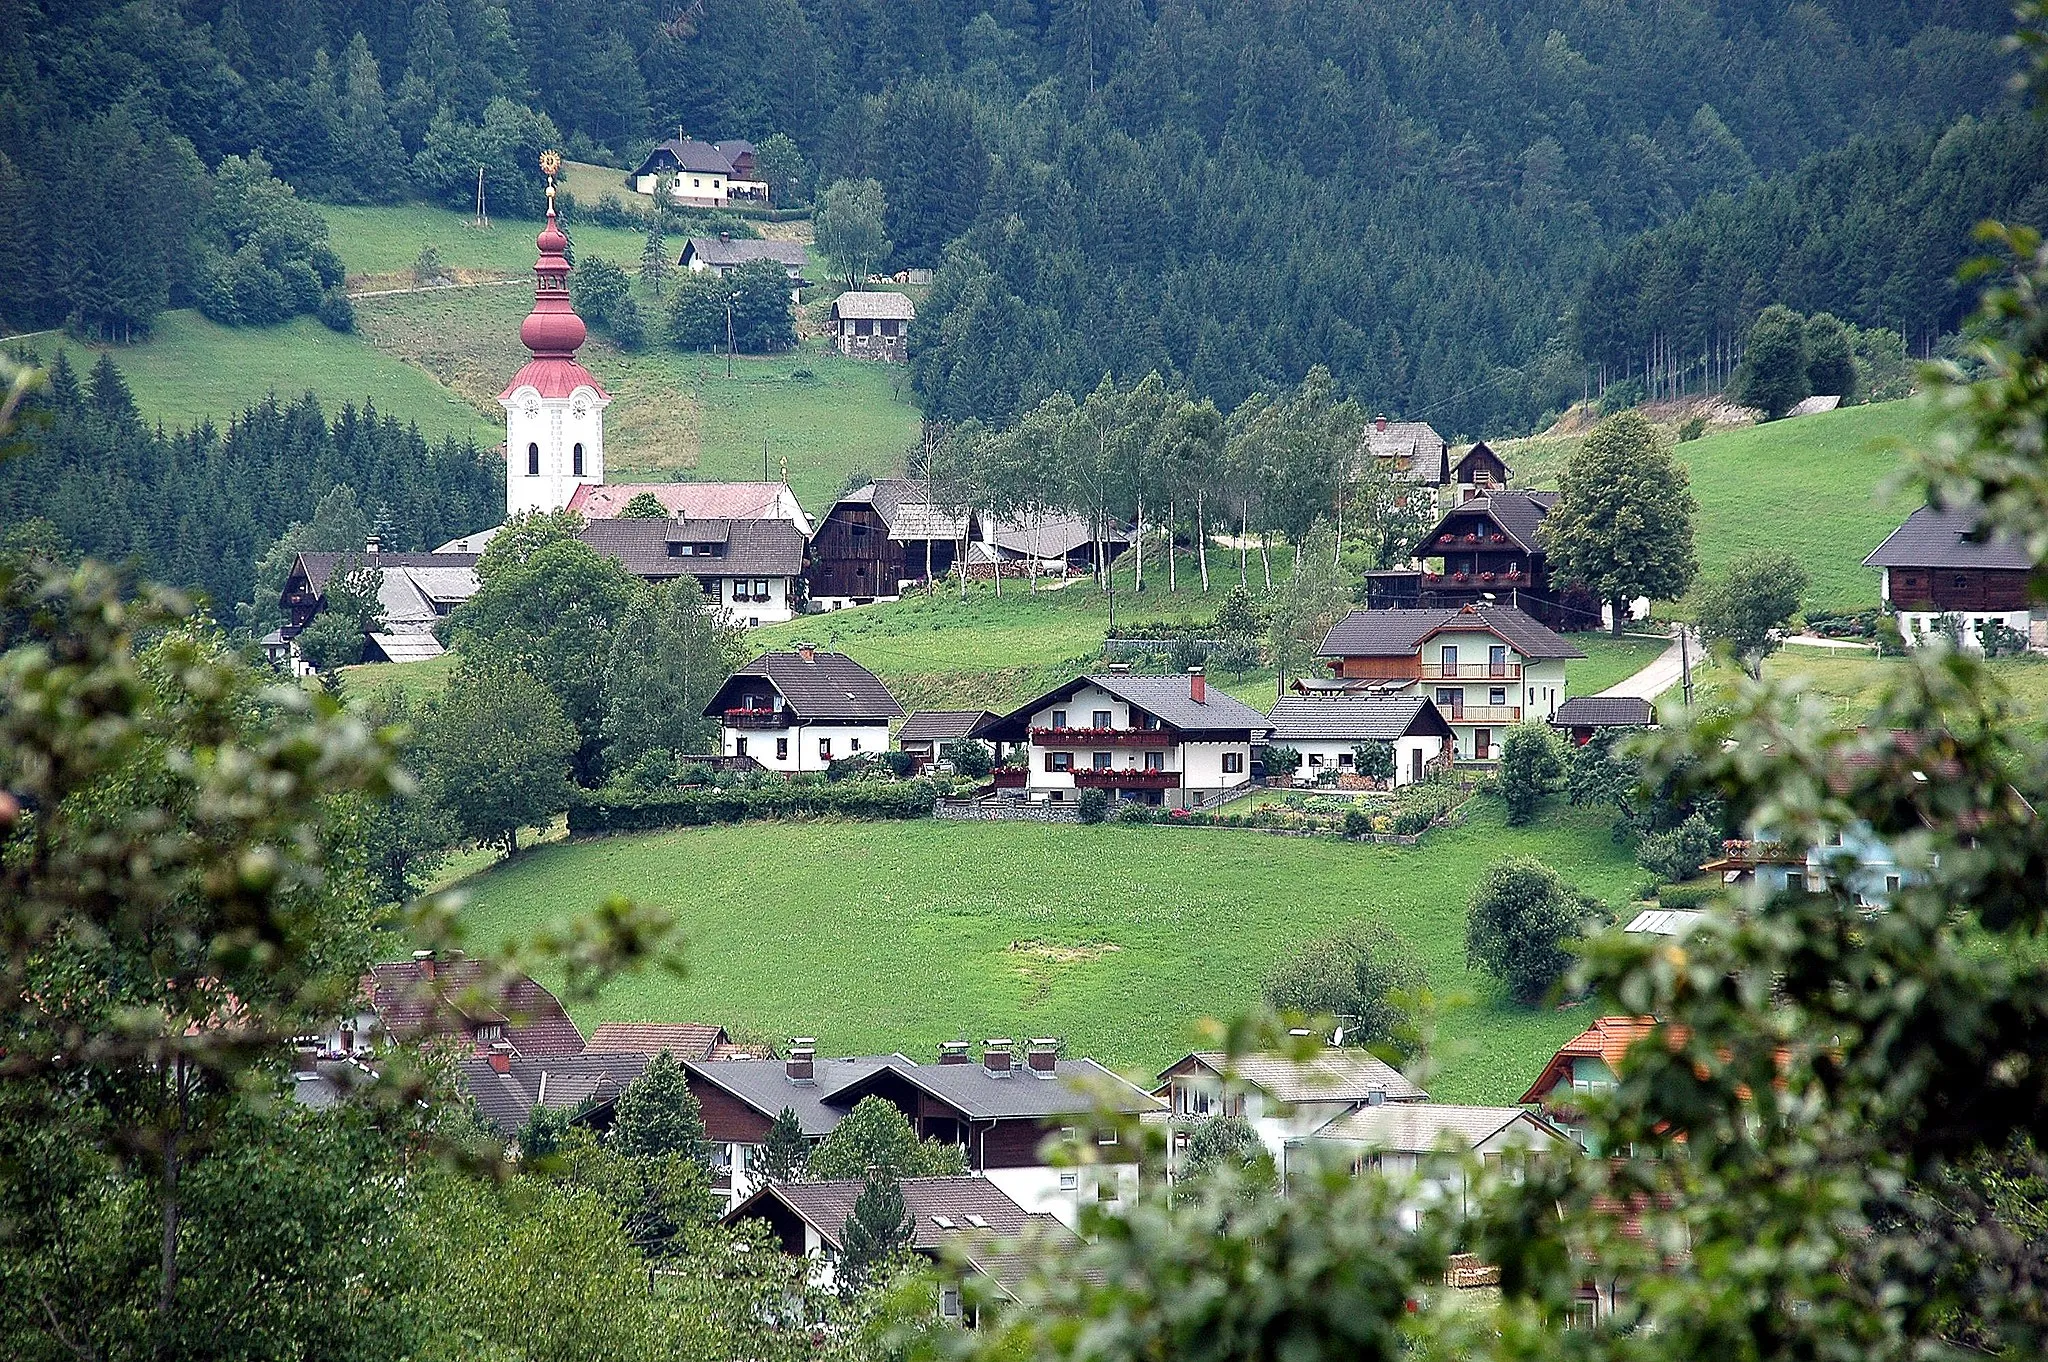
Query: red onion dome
x,y
552,330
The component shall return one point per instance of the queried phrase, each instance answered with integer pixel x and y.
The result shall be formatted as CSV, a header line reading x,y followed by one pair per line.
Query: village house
x,y
684,1040
703,173
951,1218
1429,1143
872,325
1041,543
802,710
752,569
1589,1063
1478,472
878,539
1407,451
927,732
1485,667
455,1001
508,1088
1935,569
696,501
1161,740
725,252
1283,1098
415,591
1328,728
998,1110
1581,716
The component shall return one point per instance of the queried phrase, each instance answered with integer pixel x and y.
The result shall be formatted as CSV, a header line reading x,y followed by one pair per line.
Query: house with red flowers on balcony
x,y
1486,549
802,710
1485,667
1163,740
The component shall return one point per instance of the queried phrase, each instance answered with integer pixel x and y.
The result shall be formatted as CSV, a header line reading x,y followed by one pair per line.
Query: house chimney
x,y
995,1057
501,1057
800,1066
1042,1055
425,960
952,1052
807,651
1379,423
1376,1097
1198,686
725,236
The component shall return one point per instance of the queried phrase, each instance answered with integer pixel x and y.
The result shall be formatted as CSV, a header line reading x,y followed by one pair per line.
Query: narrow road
x,y
1663,672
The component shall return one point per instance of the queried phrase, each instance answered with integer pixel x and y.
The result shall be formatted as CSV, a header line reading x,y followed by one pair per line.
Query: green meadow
x,y
887,936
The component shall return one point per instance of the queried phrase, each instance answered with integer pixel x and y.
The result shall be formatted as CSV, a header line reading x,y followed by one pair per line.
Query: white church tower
x,y
554,408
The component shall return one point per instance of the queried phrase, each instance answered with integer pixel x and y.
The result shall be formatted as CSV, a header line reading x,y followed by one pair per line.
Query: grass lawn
x,y
884,936
192,368
1810,486
378,244
1852,681
1608,660
418,680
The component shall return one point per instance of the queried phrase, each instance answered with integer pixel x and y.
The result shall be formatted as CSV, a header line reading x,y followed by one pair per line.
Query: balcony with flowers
x,y
1158,738
754,718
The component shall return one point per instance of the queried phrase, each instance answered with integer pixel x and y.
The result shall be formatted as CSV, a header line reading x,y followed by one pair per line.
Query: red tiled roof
x,y
684,1040
1607,1039
553,378
412,1006
691,500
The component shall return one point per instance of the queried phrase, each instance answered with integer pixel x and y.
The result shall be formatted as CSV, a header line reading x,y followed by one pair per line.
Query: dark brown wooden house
x,y
1937,564
1485,547
1479,472
875,541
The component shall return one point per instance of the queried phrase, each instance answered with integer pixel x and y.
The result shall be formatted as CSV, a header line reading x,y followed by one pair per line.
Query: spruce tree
x,y
876,1231
654,264
786,1154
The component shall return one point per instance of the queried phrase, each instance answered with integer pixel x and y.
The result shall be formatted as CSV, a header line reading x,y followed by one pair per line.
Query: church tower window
x,y
576,461
533,461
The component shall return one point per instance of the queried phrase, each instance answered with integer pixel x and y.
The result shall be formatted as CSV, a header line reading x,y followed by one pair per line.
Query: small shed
x,y
873,325
1582,715
926,732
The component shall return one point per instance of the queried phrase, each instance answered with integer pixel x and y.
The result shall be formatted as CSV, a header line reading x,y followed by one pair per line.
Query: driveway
x,y
1662,673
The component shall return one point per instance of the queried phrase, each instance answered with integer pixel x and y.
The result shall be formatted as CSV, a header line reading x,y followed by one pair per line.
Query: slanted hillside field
x,y
885,936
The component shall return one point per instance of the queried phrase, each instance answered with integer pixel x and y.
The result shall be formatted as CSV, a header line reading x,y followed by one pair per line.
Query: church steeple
x,y
554,408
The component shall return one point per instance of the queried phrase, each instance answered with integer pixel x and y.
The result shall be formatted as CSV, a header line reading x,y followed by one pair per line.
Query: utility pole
x,y
728,335
1685,662
483,216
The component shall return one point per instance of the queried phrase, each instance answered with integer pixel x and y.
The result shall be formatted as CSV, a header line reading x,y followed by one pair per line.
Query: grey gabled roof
x,y
1332,1075
1354,718
703,158
320,566
1604,711
874,305
1399,633
822,688
929,1203
765,1085
1517,513
1941,539
1426,1127
1074,1088
941,725
1167,698
753,548
722,253
558,1082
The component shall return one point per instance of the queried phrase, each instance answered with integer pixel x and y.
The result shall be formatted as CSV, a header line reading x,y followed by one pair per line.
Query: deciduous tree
x,y
1773,374
1520,920
875,1134
1622,524
848,229
497,749
1747,608
1530,768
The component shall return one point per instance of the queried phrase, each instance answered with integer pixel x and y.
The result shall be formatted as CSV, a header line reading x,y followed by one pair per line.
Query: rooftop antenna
x,y
483,214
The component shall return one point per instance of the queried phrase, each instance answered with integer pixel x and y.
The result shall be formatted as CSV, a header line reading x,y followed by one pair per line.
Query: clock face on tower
x,y
532,407
582,409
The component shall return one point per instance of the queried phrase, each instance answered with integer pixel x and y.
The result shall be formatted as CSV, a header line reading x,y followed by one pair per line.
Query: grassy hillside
x,y
192,369
379,244
1810,486
880,936
1851,681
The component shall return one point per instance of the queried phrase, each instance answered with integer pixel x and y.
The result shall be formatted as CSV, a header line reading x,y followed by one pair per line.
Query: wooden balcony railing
x,y
1127,779
1472,671
755,718
1102,737
1483,714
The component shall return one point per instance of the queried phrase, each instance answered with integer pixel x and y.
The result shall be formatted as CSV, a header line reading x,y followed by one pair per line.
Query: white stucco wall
x,y
556,425
802,755
1061,1192
749,614
1200,764
1336,756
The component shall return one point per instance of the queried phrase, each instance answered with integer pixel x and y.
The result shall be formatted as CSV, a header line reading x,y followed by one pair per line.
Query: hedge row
x,y
615,810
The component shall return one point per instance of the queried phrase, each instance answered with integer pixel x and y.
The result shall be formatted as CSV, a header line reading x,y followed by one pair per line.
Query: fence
x,y
999,810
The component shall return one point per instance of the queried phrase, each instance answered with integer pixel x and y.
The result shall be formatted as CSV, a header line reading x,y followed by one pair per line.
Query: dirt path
x,y
1662,673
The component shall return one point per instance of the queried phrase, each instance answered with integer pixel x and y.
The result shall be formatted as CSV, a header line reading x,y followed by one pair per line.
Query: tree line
x,y
200,507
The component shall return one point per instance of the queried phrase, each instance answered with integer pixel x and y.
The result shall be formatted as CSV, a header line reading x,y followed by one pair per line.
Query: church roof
x,y
554,378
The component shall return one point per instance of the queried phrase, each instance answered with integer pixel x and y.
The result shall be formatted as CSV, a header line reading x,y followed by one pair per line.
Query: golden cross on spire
x,y
550,166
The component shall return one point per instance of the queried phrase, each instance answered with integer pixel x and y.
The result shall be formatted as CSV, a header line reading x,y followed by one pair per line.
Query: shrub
x,y
597,287
1409,822
870,766
1521,917
1349,975
1237,653
427,268
1530,767
336,312
619,809
610,211
802,376
1283,760
1130,811
1357,823
1679,853
968,757
1093,806
694,773
1691,429
1691,894
1374,760
1187,651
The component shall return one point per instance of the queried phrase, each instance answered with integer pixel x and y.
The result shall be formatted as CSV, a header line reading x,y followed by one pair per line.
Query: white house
x,y
554,408
720,254
1935,569
1283,1098
1428,1144
1485,667
802,710
752,569
1327,728
702,173
1167,740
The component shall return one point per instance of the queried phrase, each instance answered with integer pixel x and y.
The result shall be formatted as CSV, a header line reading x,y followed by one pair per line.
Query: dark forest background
x,y
1470,210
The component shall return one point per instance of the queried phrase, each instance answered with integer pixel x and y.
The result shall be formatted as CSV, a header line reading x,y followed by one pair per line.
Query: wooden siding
x,y
1379,668
853,555
1959,589
1010,1144
727,1119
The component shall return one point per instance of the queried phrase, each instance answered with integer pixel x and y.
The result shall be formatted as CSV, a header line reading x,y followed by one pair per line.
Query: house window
x,y
1107,1137
1343,759
760,588
782,749
1233,763
1155,761
1070,1181
1100,760
1059,761
1891,884
533,461
1059,718
1101,718
1450,658
1835,838
863,327
1315,759
1961,579
824,749
1794,880
576,461
1497,696
739,745
855,744
949,1302
739,589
